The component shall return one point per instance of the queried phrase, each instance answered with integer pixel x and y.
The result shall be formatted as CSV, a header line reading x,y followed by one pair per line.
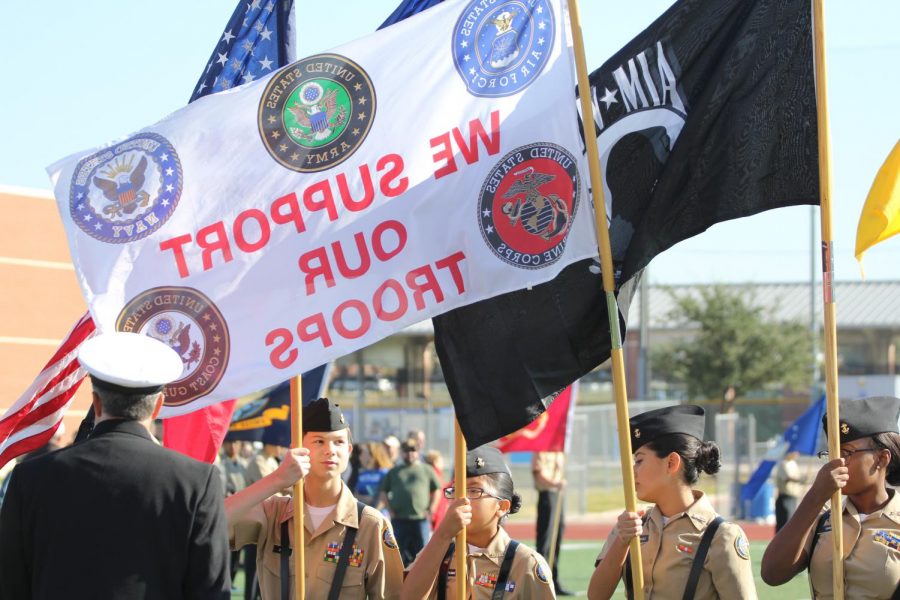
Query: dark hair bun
x,y
515,503
708,458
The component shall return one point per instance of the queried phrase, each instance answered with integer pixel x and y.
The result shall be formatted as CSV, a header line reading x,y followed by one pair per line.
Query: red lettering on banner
x,y
395,161
291,216
352,319
430,284
286,210
240,237
176,245
322,267
212,238
469,153
362,251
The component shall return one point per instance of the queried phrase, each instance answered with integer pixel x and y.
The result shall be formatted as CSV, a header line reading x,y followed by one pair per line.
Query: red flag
x,y
547,433
36,415
199,434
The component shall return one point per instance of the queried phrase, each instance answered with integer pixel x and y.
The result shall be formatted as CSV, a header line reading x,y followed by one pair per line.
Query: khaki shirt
x,y
529,576
871,554
548,465
259,467
667,553
375,569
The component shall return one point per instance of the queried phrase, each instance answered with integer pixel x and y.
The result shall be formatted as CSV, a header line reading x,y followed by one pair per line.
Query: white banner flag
x,y
265,230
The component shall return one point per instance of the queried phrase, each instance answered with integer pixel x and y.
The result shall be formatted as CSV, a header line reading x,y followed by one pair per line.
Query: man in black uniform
x,y
116,516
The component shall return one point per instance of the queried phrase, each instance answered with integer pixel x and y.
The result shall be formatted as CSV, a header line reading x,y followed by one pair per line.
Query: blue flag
x,y
802,436
268,418
257,40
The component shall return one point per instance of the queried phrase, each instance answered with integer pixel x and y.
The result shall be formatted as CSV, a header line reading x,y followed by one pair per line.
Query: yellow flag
x,y
880,218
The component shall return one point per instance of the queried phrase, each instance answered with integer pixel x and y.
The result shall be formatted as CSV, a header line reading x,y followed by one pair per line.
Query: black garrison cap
x,y
323,415
683,418
866,417
485,460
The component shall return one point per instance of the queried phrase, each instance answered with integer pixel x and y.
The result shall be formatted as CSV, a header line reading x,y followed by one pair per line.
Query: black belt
x,y
502,577
343,558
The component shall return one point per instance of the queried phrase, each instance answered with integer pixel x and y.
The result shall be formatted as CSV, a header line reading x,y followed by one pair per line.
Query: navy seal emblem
x,y
527,203
388,536
127,191
190,324
316,112
499,50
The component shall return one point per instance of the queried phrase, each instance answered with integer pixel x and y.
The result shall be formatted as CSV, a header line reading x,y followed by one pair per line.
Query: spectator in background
x,y
234,466
358,461
392,446
410,490
789,482
419,436
436,460
376,466
263,464
548,469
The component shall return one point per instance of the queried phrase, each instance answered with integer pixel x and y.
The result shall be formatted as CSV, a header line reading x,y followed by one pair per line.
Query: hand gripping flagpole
x,y
297,496
459,484
606,264
831,386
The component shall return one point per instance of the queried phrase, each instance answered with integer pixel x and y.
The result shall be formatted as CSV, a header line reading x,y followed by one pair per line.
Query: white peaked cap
x,y
130,360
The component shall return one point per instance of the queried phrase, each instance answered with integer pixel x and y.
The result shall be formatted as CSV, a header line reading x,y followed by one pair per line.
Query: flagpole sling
x,y
296,442
459,485
831,386
606,264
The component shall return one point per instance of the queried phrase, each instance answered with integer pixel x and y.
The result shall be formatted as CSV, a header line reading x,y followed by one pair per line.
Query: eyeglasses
x,y
845,454
472,493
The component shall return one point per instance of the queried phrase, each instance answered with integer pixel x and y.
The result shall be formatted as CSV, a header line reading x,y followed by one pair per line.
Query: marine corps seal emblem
x,y
316,112
499,48
527,203
190,324
127,191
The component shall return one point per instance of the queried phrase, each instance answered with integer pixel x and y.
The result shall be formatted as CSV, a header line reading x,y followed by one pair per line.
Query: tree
x,y
734,349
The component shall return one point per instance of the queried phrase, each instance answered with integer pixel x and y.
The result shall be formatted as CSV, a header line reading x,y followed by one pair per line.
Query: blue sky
x,y
79,74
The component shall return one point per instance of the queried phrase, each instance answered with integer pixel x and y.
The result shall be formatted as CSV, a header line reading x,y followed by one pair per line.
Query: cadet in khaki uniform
x,y
255,516
493,559
869,460
669,454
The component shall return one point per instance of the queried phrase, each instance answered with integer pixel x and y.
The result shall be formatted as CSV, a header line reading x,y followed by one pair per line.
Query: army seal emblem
x,y
316,112
500,49
190,324
527,203
127,191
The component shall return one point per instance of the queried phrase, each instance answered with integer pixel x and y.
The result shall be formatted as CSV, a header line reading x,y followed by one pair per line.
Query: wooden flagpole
x,y
606,264
299,535
831,385
459,483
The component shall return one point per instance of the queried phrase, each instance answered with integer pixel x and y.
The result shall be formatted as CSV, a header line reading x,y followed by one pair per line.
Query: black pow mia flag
x,y
706,116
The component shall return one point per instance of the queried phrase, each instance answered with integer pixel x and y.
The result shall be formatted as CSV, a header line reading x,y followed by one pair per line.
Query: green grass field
x,y
577,563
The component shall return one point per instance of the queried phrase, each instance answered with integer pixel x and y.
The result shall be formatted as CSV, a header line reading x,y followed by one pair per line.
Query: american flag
x,y
258,39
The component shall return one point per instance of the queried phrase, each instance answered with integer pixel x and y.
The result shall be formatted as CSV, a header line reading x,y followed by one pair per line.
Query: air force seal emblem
x,y
499,49
191,325
316,112
127,191
527,203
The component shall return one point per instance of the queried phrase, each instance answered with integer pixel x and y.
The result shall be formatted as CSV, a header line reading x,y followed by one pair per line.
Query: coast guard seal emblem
x,y
499,48
127,191
527,204
190,324
316,112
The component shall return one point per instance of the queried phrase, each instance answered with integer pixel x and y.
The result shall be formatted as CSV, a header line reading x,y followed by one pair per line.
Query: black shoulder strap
x,y
820,525
700,558
505,567
442,574
285,562
344,558
629,580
